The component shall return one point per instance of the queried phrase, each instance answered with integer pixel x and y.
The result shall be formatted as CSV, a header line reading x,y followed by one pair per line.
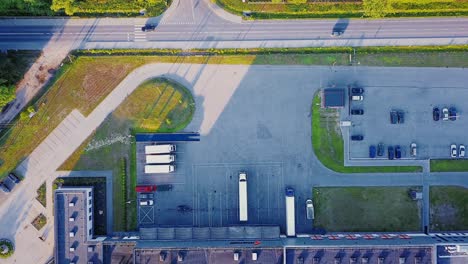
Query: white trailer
x,y
159,159
159,168
243,209
290,213
160,149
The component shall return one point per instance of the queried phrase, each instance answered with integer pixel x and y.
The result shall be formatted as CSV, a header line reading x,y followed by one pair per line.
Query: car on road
x,y
453,151
391,152
372,151
357,98
309,209
184,208
436,114
413,149
357,91
393,117
380,149
401,117
357,137
445,114
336,33
148,27
14,178
452,113
461,151
397,152
357,112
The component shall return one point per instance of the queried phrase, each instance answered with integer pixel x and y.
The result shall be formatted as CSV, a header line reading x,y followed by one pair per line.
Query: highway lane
x,y
228,31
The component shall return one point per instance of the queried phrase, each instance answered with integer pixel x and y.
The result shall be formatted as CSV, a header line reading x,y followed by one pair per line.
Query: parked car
x,y
393,117
413,149
445,114
146,202
380,149
461,151
436,114
357,112
357,91
148,27
4,187
14,178
452,113
309,209
391,152
372,151
453,151
397,152
401,117
357,137
357,98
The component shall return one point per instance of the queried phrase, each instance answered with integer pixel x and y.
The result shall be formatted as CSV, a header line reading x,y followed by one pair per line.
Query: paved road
x,y
189,24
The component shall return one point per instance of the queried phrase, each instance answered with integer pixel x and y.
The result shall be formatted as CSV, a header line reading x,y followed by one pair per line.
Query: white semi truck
x,y
290,212
159,149
159,168
243,208
159,159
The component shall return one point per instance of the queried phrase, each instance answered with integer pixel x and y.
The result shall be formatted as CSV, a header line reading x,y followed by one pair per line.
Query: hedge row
x,y
123,179
266,51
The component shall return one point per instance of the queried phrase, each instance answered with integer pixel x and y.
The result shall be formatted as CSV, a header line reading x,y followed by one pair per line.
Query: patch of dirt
x,y
444,214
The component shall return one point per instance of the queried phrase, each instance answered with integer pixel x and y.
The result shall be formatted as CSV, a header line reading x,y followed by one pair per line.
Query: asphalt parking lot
x,y
433,138
258,121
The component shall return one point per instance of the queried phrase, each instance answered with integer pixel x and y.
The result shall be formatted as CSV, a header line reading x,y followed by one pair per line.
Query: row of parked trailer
x,y
159,158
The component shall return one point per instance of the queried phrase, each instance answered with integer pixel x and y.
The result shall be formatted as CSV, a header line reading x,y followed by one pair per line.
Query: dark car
x,y
4,188
380,149
357,111
14,178
357,137
393,117
452,113
357,91
436,114
184,208
7,106
397,152
148,27
391,153
401,117
372,151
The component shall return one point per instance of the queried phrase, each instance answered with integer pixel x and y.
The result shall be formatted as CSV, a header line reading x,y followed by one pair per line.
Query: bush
x,y
9,245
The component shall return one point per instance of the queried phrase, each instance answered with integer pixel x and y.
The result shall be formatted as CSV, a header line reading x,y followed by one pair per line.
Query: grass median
x,y
449,165
361,209
328,143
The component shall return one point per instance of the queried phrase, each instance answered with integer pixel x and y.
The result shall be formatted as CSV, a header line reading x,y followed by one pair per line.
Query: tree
x,y
7,94
66,5
376,8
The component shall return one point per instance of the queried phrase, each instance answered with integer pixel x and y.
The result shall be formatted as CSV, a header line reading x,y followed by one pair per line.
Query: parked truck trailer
x,y
159,159
159,168
243,208
290,212
160,149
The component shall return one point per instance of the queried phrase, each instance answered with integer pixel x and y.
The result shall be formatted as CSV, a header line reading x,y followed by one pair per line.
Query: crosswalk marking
x,y
139,35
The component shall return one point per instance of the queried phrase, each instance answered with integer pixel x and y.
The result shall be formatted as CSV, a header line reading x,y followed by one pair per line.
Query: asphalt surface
x,y
189,21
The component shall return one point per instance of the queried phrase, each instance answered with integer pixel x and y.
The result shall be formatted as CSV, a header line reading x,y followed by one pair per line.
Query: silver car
x,y
453,151
413,148
461,151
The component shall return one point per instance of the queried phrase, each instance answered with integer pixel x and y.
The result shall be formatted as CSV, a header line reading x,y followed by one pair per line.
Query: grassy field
x,y
449,165
41,194
82,7
399,8
328,143
157,105
449,208
358,209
